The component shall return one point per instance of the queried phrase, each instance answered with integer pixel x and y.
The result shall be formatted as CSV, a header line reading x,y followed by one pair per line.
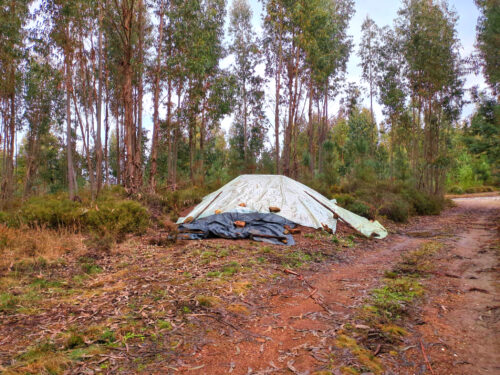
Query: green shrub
x,y
52,212
9,219
456,190
344,200
479,189
355,205
180,199
423,203
362,209
117,217
398,210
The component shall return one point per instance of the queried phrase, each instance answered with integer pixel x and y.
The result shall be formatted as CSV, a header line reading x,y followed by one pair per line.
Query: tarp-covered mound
x,y
296,202
258,226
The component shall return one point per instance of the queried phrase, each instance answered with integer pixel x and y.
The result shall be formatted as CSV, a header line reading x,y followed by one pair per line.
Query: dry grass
x,y
27,244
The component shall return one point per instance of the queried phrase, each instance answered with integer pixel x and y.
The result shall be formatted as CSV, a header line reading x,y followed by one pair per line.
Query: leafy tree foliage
x,y
74,76
250,124
488,41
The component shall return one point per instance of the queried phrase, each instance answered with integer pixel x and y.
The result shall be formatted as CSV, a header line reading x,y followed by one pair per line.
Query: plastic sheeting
x,y
297,202
258,226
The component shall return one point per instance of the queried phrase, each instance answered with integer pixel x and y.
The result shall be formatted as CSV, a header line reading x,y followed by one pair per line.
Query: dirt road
x,y
456,325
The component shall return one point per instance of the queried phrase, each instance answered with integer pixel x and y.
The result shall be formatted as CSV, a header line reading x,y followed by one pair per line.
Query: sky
x,y
383,12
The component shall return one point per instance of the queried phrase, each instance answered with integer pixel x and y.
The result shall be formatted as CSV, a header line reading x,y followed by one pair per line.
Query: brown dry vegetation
x,y
21,246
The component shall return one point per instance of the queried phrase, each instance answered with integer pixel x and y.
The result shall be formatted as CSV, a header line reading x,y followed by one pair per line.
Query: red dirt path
x,y
458,323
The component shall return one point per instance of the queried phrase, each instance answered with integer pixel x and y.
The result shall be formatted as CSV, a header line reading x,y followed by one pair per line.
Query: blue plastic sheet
x,y
266,227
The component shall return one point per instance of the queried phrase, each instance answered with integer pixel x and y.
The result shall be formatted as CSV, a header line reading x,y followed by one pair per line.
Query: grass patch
x,y
43,284
418,263
298,258
241,287
214,274
392,300
27,250
42,358
80,354
164,324
208,301
8,302
367,361
74,340
238,309
230,269
88,266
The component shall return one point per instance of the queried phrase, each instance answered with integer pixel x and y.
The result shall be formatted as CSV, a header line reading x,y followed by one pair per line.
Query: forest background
x,y
78,78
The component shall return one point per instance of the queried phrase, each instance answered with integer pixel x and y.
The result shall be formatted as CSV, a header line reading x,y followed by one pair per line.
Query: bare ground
x,y
219,307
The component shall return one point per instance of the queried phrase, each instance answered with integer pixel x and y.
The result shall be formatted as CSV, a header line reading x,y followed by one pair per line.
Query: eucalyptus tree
x,y
156,81
250,122
197,32
326,47
427,31
488,41
13,16
306,42
482,133
43,111
124,24
393,91
274,32
368,51
62,18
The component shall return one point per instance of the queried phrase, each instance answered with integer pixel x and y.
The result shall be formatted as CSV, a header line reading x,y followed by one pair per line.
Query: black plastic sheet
x,y
266,227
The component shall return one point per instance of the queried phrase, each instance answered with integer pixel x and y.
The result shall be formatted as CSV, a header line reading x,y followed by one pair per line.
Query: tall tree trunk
x,y
98,143
288,126
129,127
277,104
140,93
9,142
192,124
72,186
106,127
170,131
192,129
292,72
175,139
202,143
245,126
118,152
311,128
33,147
156,101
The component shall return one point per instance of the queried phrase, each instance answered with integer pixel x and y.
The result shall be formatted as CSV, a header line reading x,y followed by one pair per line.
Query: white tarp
x,y
297,203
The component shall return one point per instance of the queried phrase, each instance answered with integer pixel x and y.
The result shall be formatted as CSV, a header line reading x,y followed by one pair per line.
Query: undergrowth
x,y
395,200
111,212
